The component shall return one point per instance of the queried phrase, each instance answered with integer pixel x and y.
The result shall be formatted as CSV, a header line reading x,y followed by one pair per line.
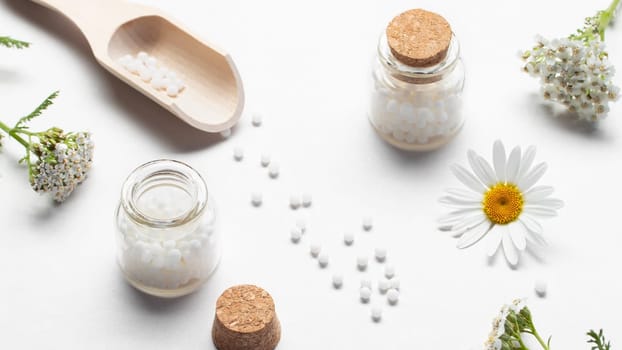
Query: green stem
x,y
605,18
539,339
13,133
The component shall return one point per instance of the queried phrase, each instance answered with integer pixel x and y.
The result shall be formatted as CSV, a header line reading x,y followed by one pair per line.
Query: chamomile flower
x,y
501,202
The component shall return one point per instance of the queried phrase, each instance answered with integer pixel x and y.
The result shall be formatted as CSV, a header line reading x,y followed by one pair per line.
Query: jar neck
x,y
418,75
164,194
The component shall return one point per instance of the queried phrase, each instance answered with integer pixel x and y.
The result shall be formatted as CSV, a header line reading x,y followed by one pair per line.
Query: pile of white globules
x,y
168,259
148,69
415,115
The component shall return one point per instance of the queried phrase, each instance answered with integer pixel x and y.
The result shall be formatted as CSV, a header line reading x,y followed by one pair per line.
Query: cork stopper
x,y
419,38
246,320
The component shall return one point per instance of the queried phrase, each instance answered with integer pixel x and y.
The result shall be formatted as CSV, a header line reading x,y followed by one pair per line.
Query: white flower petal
x,y
536,238
488,171
458,202
493,243
499,160
460,228
540,211
552,203
481,173
467,178
537,193
464,194
509,250
530,223
532,177
518,233
457,215
473,235
513,166
527,161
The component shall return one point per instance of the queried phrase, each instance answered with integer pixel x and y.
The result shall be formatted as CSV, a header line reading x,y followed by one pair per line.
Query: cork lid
x,y
246,319
419,38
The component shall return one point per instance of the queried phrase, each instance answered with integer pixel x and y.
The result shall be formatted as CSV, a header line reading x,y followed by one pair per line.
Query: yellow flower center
x,y
503,203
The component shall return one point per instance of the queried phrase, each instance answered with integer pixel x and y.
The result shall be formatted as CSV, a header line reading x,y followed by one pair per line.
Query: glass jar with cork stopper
x,y
418,78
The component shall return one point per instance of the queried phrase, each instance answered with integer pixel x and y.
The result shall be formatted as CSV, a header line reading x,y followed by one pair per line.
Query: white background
x,y
305,66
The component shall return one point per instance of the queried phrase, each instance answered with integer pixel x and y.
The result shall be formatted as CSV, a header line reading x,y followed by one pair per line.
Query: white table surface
x,y
305,66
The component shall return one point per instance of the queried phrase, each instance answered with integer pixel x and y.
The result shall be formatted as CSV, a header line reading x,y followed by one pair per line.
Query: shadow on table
x,y
145,112
157,305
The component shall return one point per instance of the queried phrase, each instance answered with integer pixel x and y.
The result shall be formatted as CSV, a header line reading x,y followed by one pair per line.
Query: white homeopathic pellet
x,y
302,225
367,223
361,262
322,259
383,285
273,170
393,296
381,254
540,288
256,199
295,235
337,280
294,201
256,119
394,283
389,271
306,200
315,248
265,160
376,313
238,153
366,282
365,294
348,238
225,133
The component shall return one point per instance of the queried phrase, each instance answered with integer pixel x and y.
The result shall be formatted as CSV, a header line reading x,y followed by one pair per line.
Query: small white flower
x,y
502,202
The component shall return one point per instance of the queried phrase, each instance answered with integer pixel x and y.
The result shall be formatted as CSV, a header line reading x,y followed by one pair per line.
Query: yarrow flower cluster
x,y
514,323
57,161
575,71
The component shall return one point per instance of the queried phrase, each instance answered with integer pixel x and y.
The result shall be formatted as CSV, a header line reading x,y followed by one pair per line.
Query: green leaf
x,y
599,341
38,111
13,43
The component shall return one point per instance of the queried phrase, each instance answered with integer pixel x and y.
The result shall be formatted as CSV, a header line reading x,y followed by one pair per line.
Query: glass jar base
x,y
432,144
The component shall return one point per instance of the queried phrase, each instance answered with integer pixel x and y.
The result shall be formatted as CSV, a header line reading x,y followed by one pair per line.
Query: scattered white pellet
x,y
256,199
376,313
257,119
273,170
294,201
365,294
145,74
151,62
306,200
238,154
348,238
265,160
394,283
143,56
172,90
367,223
393,296
315,248
295,235
389,271
322,259
337,280
540,288
381,254
361,262
383,285
302,225
366,282
225,133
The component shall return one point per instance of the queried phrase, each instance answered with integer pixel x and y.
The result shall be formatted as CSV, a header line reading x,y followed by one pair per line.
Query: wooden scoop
x,y
213,97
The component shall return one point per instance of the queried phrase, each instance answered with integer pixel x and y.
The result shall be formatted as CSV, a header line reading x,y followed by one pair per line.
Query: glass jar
x,y
167,242
417,108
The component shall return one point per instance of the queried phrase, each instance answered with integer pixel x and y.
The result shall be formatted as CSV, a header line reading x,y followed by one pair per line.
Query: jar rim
x,y
183,172
429,73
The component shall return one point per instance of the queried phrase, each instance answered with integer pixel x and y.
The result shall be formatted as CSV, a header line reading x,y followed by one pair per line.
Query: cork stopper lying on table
x,y
246,320
419,38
